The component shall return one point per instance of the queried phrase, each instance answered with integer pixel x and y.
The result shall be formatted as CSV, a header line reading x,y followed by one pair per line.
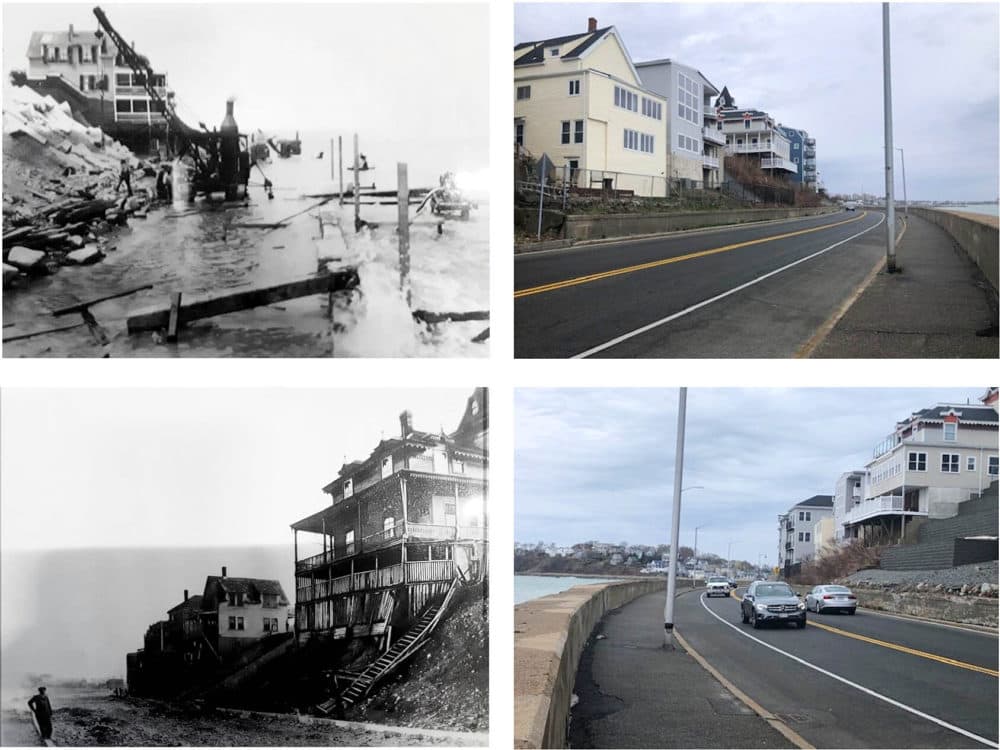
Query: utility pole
x,y
668,610
890,209
906,202
729,558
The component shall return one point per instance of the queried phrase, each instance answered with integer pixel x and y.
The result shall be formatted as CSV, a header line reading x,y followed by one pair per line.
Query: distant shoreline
x,y
582,575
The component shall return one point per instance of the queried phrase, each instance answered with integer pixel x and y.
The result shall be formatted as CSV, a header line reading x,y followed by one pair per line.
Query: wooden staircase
x,y
411,642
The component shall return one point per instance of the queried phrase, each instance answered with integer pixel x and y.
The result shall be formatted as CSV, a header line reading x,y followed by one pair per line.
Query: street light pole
x,y
729,558
906,202
668,609
890,209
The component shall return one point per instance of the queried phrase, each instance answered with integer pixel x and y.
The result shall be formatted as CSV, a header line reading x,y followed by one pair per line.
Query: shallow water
x,y
533,587
201,251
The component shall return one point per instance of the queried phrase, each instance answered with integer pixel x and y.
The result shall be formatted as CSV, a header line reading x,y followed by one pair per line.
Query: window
x,y
267,624
574,87
93,53
795,146
950,431
83,80
949,463
348,487
140,105
232,623
808,517
626,99
388,524
652,109
123,79
992,466
802,515
636,141
554,52
808,536
800,537
349,542
55,54
970,463
916,461
578,131
123,105
270,624
565,131
240,624
45,52
746,124
91,83
523,92
688,99
519,133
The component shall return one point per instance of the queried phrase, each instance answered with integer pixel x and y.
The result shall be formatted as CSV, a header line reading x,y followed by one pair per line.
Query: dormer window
x,y
386,467
950,432
348,487
554,52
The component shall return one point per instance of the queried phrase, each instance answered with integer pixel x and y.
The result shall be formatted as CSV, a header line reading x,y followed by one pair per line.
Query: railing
x,y
750,148
875,506
431,570
313,562
712,162
382,538
810,153
371,580
430,531
810,141
776,162
809,167
713,135
471,532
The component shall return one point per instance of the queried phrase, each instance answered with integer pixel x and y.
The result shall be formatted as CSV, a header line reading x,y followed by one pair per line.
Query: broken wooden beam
x,y
82,306
154,320
260,225
20,336
456,317
175,317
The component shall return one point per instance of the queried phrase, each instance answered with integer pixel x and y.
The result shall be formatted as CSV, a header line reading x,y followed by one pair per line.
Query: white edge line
x,y
862,688
935,623
716,298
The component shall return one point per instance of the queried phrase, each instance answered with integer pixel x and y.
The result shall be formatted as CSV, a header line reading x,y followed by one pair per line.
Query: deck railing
x,y
371,580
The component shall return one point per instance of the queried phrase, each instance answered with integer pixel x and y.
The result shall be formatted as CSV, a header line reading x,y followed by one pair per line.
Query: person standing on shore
x,y
42,709
125,175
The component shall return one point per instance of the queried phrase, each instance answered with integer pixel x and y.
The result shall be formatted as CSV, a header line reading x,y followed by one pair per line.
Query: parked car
x,y
772,601
828,598
717,586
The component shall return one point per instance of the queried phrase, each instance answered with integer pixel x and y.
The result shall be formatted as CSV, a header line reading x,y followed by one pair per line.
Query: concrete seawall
x,y
549,636
581,227
977,235
973,610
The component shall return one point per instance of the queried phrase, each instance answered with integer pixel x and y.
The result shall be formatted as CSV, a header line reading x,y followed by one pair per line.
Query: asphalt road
x,y
594,300
942,680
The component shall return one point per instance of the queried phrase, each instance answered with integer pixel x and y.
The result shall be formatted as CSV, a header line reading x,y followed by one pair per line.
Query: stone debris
x,y
59,187
979,579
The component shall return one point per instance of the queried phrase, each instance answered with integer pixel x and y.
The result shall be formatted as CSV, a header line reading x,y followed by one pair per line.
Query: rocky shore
x,y
60,203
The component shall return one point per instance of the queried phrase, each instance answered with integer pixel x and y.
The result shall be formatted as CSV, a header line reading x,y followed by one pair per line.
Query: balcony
x,y
776,162
708,111
425,571
810,141
710,162
883,505
809,167
809,178
763,147
712,135
810,153
423,532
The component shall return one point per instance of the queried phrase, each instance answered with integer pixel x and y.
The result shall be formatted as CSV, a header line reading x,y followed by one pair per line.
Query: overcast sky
x,y
598,464
187,467
380,69
818,67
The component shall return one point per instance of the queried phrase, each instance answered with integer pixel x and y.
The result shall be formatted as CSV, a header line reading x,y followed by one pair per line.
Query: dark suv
x,y
772,601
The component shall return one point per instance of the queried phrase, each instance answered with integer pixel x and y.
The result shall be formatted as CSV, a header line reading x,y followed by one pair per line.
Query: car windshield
x,y
774,589
836,590
716,579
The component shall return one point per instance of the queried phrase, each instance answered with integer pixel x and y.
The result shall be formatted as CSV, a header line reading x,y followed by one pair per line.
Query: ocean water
x,y
989,209
532,587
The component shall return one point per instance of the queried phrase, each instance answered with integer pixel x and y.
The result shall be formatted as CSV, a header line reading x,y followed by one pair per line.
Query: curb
x,y
790,734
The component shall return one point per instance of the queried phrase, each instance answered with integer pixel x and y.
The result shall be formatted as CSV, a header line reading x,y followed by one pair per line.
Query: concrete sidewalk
x,y
933,308
634,694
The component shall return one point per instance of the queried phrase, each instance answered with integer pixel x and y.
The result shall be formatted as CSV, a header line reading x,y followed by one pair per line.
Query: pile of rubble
x,y
59,187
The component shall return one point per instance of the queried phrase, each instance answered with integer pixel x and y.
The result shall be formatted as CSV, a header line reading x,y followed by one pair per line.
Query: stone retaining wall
x,y
979,239
549,636
972,610
599,226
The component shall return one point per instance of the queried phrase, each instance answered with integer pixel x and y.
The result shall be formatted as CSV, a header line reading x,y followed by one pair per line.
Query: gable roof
x,y
817,501
725,99
668,61
969,414
252,588
192,602
536,49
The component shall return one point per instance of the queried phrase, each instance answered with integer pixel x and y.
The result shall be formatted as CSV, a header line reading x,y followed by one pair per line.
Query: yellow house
x,y
579,99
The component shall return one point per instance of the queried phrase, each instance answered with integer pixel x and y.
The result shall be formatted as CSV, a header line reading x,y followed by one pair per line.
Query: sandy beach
x,y
92,717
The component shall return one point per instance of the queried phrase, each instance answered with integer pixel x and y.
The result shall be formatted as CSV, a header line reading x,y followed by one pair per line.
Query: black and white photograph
x,y
246,180
245,567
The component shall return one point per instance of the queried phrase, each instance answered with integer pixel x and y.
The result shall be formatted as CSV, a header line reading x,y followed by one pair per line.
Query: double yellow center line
x,y
906,650
667,261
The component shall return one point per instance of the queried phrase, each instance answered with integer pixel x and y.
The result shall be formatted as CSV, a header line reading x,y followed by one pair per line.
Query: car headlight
x,y
802,605
761,608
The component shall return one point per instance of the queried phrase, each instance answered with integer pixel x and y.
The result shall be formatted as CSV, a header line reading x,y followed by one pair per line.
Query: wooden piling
x,y
340,161
357,186
403,191
175,316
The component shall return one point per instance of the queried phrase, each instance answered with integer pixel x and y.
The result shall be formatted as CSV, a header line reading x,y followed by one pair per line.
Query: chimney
x,y
406,422
223,571
185,594
591,24
71,31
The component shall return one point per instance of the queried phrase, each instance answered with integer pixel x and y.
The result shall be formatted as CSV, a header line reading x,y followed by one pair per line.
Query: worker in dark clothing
x,y
125,175
164,184
244,162
42,709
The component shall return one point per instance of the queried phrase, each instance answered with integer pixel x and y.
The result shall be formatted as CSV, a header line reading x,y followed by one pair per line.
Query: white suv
x,y
717,586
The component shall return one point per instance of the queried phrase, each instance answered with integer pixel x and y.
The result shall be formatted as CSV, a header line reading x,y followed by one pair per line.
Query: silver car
x,y
772,601
829,598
